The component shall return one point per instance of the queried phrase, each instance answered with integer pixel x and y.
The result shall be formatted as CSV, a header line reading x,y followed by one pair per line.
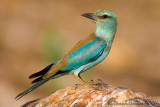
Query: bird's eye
x,y
105,16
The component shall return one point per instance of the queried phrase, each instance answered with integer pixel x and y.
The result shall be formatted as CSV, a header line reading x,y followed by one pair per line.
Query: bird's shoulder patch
x,y
82,43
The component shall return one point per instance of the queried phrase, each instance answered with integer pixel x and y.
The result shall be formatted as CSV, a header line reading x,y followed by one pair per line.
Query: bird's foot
x,y
87,83
90,83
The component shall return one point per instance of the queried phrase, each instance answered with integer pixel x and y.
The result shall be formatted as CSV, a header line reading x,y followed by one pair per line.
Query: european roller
x,y
85,54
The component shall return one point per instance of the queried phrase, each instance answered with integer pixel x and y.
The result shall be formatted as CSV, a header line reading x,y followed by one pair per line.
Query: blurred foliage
x,y
53,43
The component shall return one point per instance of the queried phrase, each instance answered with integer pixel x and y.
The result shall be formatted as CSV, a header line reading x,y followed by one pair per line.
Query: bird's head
x,y
100,16
106,22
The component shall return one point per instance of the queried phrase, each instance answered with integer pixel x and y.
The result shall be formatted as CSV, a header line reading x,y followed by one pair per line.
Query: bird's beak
x,y
89,15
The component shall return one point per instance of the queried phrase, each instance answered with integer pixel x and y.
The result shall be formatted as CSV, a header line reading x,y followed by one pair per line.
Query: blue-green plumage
x,y
84,55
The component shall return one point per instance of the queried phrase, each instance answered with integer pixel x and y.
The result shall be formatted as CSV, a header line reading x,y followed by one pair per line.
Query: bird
x,y
87,53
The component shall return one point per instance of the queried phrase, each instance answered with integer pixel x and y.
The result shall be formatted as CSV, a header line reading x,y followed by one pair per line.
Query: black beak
x,y
89,15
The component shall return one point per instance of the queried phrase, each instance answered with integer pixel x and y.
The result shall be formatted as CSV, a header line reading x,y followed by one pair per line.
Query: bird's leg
x,y
82,81
79,78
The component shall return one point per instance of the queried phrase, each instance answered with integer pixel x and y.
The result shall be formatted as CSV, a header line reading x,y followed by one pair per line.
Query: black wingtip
x,y
33,75
42,72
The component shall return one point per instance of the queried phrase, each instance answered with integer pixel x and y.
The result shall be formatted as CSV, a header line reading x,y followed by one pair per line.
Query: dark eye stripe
x,y
104,17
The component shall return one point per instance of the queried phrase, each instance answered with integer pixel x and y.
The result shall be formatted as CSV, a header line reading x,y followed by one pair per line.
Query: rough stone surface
x,y
99,95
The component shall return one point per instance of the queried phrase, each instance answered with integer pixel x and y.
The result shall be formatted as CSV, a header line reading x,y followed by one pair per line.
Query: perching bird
x,y
84,55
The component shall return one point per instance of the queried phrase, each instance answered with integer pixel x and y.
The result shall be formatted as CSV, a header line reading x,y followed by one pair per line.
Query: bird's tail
x,y
31,88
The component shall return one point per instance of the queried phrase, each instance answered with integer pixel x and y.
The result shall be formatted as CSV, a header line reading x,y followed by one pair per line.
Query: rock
x,y
94,95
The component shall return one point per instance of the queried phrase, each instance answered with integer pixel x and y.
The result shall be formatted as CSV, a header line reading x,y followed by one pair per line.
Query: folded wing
x,y
82,53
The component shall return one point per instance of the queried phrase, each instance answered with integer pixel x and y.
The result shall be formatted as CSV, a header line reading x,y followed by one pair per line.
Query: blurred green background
x,y
35,33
